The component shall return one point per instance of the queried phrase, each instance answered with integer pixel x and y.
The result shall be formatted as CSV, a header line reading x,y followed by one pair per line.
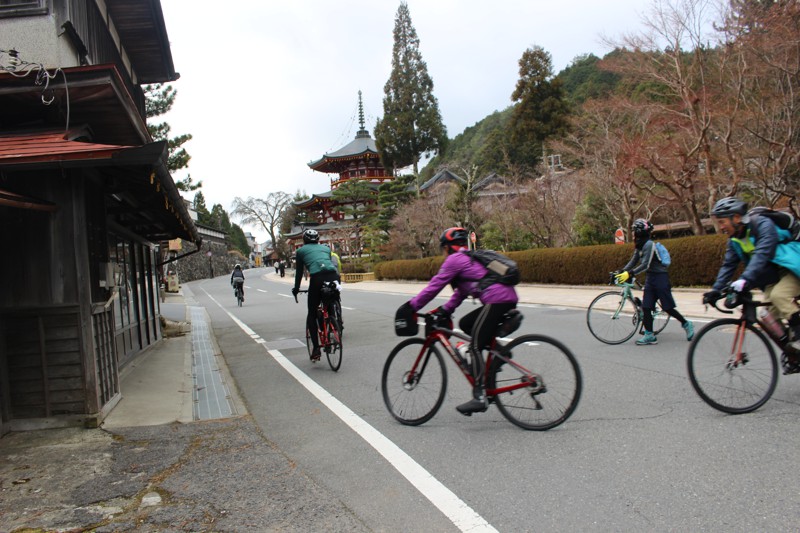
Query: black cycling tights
x,y
481,324
314,297
648,317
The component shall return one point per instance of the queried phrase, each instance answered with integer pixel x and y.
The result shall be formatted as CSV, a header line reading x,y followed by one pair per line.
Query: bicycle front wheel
x,y
724,383
612,318
553,377
335,343
414,382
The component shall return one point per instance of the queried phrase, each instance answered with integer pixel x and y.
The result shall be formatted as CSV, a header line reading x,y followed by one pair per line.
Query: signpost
x,y
473,238
619,236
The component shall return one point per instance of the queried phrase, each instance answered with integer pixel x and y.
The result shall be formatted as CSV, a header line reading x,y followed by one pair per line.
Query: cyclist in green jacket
x,y
317,259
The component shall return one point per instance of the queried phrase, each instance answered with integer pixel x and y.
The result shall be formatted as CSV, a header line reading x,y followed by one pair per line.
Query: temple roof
x,y
363,146
443,176
327,196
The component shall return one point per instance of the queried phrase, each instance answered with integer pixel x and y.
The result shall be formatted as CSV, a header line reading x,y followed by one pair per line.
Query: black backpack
x,y
782,219
500,268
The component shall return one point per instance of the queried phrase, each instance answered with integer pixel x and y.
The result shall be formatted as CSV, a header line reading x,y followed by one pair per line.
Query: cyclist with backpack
x,y
772,264
237,278
656,286
316,258
464,274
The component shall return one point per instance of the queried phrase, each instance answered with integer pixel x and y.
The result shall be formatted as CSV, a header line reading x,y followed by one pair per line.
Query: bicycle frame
x,y
749,316
441,335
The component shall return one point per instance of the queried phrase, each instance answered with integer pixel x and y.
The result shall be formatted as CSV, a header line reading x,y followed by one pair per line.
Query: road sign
x,y
208,253
473,237
619,236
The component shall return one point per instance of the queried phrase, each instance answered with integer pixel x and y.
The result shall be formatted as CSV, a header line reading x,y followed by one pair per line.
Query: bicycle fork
x,y
738,357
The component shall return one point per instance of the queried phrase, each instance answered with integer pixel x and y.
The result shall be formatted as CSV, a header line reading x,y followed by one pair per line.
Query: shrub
x,y
695,261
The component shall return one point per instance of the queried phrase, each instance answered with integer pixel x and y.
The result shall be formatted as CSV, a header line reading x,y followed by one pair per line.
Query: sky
x,y
267,86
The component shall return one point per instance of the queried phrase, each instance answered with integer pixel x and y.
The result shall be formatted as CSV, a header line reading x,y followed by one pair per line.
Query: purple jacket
x,y
464,273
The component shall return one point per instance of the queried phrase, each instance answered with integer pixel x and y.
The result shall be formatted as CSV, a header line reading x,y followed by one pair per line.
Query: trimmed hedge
x,y
695,261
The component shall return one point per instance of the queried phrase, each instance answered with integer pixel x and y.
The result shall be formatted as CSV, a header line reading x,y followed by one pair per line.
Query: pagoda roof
x,y
363,145
336,224
328,195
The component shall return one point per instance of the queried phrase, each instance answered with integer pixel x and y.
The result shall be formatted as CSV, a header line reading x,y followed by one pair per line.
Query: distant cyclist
x,y
237,277
758,243
463,273
656,286
317,259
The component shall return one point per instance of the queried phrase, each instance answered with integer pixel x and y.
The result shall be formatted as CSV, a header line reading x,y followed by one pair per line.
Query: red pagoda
x,y
358,160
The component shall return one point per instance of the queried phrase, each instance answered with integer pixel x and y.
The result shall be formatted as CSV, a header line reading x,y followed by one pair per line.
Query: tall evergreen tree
x,y
541,110
199,205
412,125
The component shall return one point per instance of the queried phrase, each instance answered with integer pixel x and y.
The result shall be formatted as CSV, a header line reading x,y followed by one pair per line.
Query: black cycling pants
x,y
481,324
314,298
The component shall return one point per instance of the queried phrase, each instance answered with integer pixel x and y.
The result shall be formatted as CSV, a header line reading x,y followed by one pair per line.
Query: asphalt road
x,y
641,453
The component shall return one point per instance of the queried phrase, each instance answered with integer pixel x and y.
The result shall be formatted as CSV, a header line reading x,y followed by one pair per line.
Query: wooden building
x,y
85,200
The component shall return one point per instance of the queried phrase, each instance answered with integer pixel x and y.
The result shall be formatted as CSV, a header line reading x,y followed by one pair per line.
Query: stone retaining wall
x,y
200,266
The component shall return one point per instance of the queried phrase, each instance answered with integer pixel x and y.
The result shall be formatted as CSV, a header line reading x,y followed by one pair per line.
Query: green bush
x,y
695,262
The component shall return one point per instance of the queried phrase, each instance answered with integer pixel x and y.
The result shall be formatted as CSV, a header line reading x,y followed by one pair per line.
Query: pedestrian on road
x,y
657,286
282,268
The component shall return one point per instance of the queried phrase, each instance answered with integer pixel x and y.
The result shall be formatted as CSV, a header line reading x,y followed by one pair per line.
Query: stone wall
x,y
200,266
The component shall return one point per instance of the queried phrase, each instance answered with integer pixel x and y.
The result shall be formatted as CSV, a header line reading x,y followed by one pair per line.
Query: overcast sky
x,y
267,86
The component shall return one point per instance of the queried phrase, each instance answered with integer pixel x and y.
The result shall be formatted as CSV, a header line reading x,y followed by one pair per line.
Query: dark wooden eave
x,y
140,25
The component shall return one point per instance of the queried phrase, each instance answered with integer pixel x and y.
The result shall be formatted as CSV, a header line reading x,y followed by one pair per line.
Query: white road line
x,y
455,509
349,308
261,290
285,295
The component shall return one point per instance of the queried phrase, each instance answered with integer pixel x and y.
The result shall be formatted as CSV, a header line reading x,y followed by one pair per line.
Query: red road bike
x,y
534,380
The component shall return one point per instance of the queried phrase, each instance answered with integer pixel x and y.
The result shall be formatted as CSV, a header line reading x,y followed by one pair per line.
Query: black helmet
x,y
454,236
238,266
310,236
642,227
727,207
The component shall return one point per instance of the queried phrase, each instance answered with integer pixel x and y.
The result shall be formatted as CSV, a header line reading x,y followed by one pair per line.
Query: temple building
x,y
358,160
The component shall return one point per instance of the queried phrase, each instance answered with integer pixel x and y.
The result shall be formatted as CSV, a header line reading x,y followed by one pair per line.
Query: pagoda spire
x,y
362,132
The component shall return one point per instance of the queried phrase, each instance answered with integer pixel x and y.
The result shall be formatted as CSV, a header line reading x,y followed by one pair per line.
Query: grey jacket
x,y
645,260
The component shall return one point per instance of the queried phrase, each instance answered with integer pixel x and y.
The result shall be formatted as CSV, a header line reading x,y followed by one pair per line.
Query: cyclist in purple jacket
x,y
463,273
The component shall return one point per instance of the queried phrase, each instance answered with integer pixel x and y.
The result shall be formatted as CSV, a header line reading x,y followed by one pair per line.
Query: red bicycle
x,y
329,324
534,380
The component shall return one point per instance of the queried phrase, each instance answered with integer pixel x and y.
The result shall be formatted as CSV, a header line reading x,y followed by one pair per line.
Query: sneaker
x,y
473,406
689,327
315,354
790,364
648,338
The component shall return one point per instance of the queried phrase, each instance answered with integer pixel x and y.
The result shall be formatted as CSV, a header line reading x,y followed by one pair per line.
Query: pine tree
x,y
159,100
411,125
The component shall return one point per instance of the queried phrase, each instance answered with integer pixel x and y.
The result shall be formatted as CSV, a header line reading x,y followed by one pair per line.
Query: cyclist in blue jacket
x,y
771,261
656,286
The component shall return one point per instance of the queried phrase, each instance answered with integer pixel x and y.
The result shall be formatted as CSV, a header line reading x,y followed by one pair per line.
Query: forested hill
x,y
484,144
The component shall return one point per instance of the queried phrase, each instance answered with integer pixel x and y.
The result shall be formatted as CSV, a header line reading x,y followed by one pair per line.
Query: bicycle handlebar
x,y
634,283
295,295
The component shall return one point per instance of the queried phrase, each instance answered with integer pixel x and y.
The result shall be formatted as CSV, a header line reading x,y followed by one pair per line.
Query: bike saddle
x,y
511,322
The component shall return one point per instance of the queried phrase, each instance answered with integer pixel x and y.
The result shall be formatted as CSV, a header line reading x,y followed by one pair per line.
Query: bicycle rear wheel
x,y
334,352
727,386
413,399
611,318
554,378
